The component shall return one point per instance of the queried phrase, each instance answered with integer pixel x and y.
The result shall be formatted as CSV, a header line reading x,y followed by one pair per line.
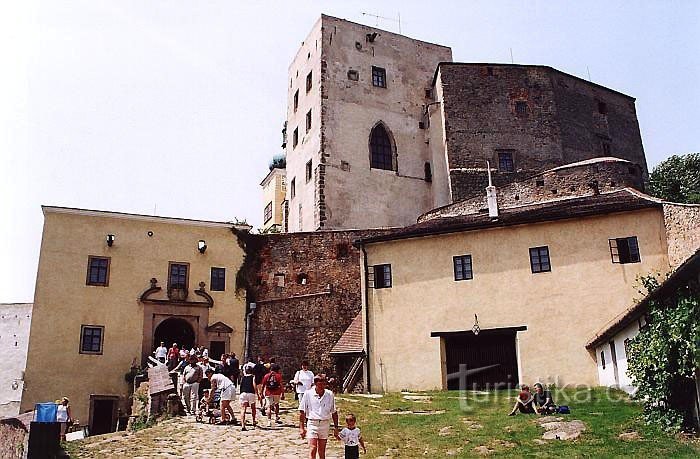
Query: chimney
x,y
491,200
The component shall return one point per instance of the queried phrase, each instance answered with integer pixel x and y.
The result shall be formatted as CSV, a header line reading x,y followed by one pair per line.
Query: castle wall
x,y
558,123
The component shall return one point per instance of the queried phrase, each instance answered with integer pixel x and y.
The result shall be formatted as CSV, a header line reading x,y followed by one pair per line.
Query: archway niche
x,y
175,330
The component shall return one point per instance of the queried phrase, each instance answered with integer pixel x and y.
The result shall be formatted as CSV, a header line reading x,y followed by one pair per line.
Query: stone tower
x,y
356,149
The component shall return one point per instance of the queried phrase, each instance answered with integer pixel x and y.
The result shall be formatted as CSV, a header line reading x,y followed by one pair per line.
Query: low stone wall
x,y
14,437
682,231
579,179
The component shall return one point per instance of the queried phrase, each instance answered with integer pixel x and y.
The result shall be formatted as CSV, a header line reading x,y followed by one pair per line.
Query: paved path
x,y
183,437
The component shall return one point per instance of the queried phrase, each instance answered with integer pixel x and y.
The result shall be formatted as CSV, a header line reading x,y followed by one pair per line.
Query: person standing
x,y
228,393
235,366
63,416
303,380
161,352
273,391
352,438
248,395
259,371
316,410
173,356
192,376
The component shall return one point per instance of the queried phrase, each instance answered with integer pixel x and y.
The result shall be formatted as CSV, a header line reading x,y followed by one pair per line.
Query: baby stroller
x,y
209,411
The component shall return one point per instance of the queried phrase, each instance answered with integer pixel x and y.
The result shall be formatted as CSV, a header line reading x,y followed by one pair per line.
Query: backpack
x,y
272,382
563,409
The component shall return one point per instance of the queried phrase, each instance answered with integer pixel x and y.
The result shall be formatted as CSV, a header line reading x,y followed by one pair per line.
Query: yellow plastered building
x,y
111,286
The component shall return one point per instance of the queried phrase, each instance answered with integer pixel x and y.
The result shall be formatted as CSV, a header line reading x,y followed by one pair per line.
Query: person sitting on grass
x,y
524,404
543,402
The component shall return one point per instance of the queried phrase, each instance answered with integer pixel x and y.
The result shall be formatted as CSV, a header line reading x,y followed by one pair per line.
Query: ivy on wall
x,y
662,359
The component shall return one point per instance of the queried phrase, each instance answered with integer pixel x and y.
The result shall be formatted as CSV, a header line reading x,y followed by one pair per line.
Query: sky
x,y
175,107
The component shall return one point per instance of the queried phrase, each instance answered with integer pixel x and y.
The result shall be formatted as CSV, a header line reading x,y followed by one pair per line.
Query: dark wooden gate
x,y
490,359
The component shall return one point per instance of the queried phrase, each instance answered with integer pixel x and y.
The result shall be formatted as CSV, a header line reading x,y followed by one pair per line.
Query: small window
x,y
309,81
378,77
624,250
602,359
521,107
539,182
309,171
218,279
539,259
293,188
605,146
382,276
505,161
302,278
177,277
268,212
427,171
429,93
353,75
295,137
296,100
98,271
91,339
462,267
308,121
627,343
602,108
279,279
342,250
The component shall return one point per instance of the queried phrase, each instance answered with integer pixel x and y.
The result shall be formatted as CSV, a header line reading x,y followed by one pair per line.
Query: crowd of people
x,y
205,384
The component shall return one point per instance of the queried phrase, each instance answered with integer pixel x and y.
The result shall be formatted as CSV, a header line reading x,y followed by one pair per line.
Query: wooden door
x,y
483,362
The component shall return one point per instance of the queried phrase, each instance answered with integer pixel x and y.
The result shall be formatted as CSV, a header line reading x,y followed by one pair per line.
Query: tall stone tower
x,y
357,151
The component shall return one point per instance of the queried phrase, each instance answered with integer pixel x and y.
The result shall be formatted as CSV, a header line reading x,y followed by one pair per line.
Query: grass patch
x,y
479,420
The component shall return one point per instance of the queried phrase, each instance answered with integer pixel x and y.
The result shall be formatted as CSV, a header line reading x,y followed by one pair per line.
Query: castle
x,y
382,128
393,268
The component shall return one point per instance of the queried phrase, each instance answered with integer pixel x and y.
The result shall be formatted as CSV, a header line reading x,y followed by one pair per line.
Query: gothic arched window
x,y
381,149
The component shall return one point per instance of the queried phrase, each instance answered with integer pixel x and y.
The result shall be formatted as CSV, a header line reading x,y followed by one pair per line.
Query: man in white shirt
x,y
303,380
161,352
316,409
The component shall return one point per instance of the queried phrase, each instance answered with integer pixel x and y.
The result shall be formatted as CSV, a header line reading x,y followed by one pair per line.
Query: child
x,y
351,438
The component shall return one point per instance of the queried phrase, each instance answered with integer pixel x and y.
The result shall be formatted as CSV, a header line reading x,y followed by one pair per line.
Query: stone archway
x,y
175,330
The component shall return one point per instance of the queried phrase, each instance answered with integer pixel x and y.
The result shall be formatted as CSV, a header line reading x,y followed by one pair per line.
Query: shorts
x,y
317,429
352,452
229,393
272,399
248,398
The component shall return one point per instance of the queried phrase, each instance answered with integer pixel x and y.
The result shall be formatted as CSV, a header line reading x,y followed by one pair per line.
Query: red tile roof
x,y
351,342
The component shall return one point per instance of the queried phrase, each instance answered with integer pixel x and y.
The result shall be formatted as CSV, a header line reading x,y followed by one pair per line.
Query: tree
x,y
663,357
677,179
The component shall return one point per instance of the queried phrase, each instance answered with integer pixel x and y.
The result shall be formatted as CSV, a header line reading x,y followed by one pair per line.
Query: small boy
x,y
351,438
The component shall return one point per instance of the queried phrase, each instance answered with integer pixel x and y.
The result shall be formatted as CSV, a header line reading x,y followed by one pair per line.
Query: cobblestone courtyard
x,y
183,437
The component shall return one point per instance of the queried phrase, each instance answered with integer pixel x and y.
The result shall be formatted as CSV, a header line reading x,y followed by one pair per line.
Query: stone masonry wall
x,y
682,231
585,178
298,319
560,122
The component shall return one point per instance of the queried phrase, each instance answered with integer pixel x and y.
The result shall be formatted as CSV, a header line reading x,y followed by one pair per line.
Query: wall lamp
x,y
202,246
110,240
476,328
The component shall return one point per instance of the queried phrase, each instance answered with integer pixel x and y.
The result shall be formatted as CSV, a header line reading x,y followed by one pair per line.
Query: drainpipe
x,y
366,307
249,314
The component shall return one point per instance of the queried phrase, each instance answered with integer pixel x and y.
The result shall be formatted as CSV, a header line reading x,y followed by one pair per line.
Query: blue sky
x,y
176,106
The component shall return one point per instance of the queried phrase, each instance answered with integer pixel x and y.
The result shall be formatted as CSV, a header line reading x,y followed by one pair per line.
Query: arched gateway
x,y
175,330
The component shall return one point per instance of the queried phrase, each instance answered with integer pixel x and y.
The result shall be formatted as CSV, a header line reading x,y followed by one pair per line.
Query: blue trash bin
x,y
45,412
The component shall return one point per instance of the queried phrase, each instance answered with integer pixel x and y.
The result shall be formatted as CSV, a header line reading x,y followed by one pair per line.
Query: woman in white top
x,y
303,380
228,393
63,416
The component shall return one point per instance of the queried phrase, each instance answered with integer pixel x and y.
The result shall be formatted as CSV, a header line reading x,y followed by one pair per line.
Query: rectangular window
x,y
295,137
177,277
382,276
602,108
293,188
624,250
268,212
308,121
91,337
296,100
539,259
505,161
308,171
602,358
218,279
378,77
98,271
463,267
521,107
309,81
